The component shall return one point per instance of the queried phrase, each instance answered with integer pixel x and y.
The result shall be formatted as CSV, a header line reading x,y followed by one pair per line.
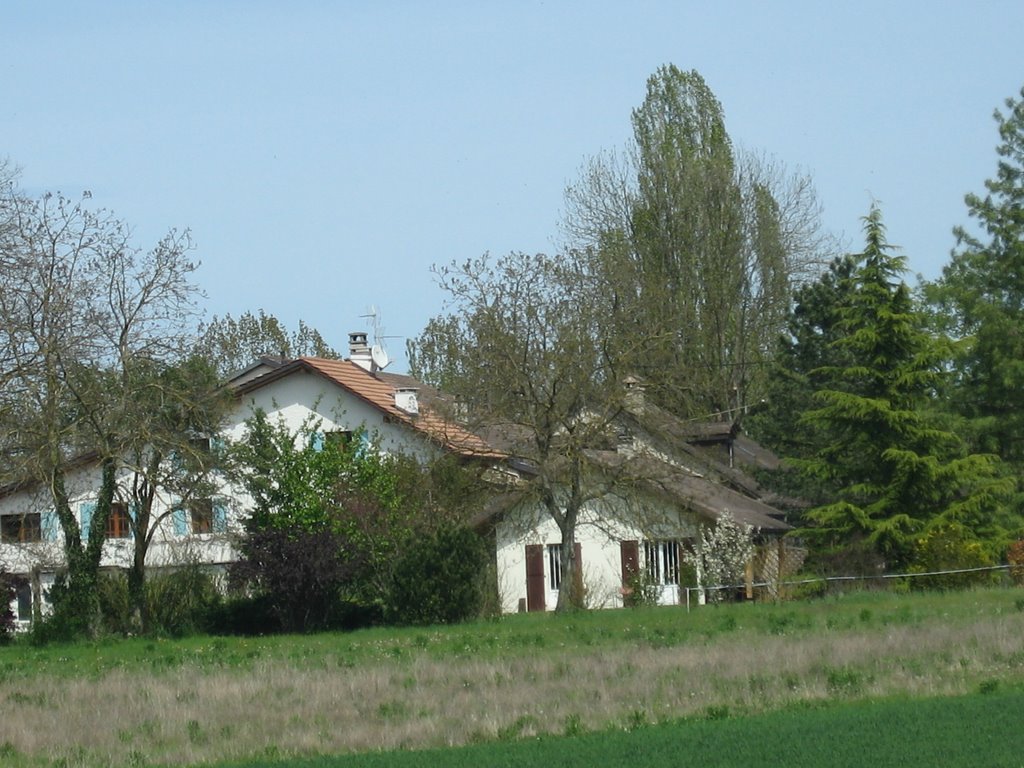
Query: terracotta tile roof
x,y
377,391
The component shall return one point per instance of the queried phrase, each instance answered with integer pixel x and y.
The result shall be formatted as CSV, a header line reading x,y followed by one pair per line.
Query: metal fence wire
x,y
776,584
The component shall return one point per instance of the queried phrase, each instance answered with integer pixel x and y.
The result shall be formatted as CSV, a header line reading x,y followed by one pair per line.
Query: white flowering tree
x,y
722,554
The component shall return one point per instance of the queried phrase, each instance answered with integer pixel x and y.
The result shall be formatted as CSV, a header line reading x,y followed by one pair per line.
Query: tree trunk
x,y
77,610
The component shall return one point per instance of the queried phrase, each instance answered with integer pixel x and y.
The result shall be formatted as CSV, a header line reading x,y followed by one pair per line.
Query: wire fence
x,y
778,585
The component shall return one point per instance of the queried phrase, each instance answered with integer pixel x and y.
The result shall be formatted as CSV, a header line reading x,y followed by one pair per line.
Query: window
x,y
24,595
200,516
20,529
339,437
119,525
662,561
554,566
200,444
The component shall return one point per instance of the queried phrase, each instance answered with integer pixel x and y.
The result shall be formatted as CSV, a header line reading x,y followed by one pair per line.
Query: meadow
x,y
495,684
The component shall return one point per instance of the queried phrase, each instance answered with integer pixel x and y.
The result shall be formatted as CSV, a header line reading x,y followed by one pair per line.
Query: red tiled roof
x,y
380,394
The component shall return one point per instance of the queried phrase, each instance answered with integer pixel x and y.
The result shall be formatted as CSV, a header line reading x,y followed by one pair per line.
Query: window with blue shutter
x,y
316,441
220,516
86,511
50,525
180,519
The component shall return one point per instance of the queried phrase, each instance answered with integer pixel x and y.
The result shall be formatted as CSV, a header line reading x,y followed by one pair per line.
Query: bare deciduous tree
x,y
87,323
523,353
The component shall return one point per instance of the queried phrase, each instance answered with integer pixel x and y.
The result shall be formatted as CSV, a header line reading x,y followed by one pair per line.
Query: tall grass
x,y
139,702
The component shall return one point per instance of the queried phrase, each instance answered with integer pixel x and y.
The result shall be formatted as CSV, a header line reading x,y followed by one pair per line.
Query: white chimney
x,y
359,350
635,388
406,400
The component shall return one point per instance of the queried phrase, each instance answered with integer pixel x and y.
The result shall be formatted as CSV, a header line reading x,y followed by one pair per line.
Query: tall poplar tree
x,y
698,247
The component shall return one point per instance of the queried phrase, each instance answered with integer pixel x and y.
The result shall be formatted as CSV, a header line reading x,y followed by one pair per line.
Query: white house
x,y
344,395
675,478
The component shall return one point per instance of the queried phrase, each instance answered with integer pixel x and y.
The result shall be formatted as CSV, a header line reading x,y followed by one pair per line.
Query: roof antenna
x,y
378,353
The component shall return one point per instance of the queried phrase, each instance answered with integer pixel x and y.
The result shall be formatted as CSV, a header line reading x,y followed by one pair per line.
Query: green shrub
x,y
641,591
950,547
7,593
115,604
182,601
439,579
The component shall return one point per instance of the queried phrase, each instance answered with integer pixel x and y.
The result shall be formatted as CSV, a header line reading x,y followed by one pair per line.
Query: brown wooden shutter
x,y
630,551
535,584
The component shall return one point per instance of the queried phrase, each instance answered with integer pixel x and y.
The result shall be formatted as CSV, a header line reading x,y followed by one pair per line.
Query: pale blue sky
x,y
324,155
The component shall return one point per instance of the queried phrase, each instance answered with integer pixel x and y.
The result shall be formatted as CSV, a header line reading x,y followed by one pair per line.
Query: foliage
x,y
641,590
948,547
182,601
696,245
302,572
231,343
86,321
330,519
521,352
179,602
319,519
439,578
980,296
721,555
894,470
8,587
803,354
1015,557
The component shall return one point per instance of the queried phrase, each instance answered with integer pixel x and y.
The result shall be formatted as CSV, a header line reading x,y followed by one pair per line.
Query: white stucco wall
x,y
295,398
602,526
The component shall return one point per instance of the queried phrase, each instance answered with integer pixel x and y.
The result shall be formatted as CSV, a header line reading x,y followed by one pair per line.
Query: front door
x,y
535,583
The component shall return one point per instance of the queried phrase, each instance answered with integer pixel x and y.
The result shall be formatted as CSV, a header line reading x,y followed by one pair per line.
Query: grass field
x,y
958,732
140,702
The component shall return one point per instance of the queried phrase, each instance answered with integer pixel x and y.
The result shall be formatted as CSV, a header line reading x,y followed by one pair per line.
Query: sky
x,y
325,155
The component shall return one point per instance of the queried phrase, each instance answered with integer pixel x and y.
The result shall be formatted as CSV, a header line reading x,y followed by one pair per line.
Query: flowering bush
x,y
722,554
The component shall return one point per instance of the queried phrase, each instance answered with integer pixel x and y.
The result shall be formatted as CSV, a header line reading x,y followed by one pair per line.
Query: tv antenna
x,y
378,352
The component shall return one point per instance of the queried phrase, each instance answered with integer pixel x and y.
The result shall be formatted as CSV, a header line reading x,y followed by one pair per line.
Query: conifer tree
x,y
982,295
896,472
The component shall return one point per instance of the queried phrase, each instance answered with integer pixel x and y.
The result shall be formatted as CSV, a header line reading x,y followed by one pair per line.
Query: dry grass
x,y
187,715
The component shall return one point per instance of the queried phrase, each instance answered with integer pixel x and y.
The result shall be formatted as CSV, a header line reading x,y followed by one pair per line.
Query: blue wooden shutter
x,y
50,525
316,441
220,516
180,518
87,510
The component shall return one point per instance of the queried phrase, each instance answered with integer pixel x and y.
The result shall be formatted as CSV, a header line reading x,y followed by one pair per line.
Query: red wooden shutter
x,y
535,584
630,552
